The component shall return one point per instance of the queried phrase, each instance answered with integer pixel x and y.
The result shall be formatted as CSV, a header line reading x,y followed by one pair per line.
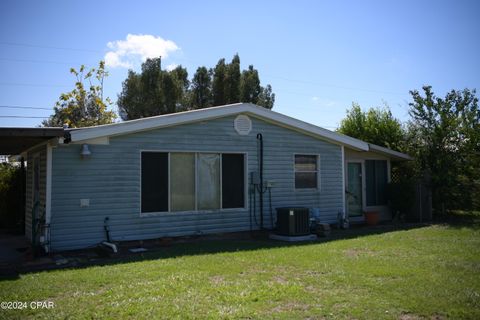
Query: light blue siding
x,y
110,178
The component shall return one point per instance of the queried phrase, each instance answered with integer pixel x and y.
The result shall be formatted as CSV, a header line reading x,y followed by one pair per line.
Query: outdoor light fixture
x,y
85,151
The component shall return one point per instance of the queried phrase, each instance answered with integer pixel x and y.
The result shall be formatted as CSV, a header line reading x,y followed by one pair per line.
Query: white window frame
x,y
196,211
318,187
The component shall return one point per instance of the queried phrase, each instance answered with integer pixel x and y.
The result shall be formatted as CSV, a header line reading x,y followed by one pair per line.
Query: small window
x,y
306,171
376,182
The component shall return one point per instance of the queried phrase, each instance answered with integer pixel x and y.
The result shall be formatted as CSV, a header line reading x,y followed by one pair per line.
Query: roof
x,y
174,119
14,141
389,152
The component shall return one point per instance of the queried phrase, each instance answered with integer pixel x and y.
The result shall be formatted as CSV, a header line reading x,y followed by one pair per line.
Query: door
x,y
354,189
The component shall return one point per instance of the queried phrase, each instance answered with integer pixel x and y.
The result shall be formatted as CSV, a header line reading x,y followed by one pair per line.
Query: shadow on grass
x,y
245,241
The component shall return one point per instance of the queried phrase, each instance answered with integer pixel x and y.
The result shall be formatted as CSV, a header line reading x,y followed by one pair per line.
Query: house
x,y
194,172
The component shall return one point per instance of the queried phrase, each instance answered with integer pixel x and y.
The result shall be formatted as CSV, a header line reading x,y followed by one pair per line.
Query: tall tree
x,y
83,106
202,89
250,88
377,126
444,137
266,98
153,91
218,86
232,81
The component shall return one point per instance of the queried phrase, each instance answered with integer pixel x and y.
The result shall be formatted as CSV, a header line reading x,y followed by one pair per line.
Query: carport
x,y
13,142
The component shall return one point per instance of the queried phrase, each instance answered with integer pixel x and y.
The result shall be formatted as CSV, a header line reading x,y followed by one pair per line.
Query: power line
x,y
32,117
21,84
46,47
40,61
23,107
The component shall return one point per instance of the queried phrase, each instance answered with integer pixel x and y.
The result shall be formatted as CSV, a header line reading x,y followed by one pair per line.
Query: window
x,y
208,166
154,181
306,171
181,181
376,181
233,175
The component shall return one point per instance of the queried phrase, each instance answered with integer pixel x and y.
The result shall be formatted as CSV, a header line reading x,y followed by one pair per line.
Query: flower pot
x,y
372,217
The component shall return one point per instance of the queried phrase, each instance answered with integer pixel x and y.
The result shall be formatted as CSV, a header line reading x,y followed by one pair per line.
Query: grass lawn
x,y
428,272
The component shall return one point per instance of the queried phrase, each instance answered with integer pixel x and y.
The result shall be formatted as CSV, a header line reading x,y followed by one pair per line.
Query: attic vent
x,y
243,125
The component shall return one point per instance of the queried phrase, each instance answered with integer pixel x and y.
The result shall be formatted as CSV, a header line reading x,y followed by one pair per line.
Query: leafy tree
x,y
153,91
218,86
202,89
250,88
83,106
444,137
232,81
377,126
266,98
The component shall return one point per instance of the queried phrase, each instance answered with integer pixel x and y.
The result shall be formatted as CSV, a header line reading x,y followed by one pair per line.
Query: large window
x,y
306,171
187,181
376,181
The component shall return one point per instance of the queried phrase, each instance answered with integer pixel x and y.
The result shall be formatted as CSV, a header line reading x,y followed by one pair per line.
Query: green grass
x,y
428,272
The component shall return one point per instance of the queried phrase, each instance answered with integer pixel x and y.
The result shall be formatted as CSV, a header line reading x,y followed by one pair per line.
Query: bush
x,y
11,197
401,197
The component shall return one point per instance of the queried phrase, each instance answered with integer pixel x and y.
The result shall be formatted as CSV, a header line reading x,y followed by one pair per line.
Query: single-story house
x,y
195,172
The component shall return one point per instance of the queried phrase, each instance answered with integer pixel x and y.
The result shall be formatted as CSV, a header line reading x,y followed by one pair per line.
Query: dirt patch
x,y
358,252
217,280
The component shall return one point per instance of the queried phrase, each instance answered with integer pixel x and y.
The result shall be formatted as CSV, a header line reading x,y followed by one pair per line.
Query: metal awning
x,y
14,141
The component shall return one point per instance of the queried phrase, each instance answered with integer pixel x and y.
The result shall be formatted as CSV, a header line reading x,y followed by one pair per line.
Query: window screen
x,y
233,176
306,171
208,173
376,182
154,182
182,181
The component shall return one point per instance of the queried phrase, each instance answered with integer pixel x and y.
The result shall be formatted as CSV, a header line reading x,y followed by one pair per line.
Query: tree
x,y
201,89
266,98
377,126
218,86
444,137
83,107
153,91
250,88
232,81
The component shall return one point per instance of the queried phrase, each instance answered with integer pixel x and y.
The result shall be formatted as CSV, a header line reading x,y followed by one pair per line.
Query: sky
x,y
319,56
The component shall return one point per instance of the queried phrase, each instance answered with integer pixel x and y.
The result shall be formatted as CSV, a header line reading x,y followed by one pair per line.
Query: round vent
x,y
242,124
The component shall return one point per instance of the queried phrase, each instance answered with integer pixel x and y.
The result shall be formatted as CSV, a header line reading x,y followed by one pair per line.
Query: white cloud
x,y
136,47
172,66
314,98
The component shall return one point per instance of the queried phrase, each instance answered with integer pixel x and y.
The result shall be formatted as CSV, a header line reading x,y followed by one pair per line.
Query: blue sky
x,y
319,56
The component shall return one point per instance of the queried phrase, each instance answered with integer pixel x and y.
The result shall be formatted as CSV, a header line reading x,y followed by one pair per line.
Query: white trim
x,y
343,182
196,152
213,113
99,141
48,194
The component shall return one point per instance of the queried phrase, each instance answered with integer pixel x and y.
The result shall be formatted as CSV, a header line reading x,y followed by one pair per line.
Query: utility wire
x,y
40,61
21,84
46,47
22,107
33,117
